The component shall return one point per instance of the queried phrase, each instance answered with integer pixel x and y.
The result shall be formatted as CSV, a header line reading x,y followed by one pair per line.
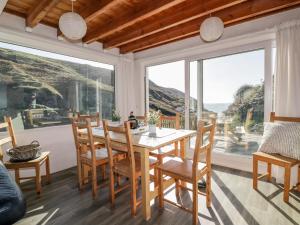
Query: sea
x,y
217,107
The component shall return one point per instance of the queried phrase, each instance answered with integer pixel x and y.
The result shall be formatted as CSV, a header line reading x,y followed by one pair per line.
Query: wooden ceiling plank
x,y
171,20
97,8
39,11
153,7
237,14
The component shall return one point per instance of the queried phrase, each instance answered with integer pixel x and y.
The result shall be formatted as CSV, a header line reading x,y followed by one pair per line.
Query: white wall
x,y
58,139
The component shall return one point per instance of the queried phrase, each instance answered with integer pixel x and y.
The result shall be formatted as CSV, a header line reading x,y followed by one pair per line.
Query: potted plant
x,y
153,118
115,116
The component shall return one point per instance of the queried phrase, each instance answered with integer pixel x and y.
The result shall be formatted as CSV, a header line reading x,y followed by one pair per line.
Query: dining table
x,y
143,143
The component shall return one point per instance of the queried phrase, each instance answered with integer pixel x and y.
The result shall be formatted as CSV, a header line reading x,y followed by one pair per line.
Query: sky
x,y
222,76
55,56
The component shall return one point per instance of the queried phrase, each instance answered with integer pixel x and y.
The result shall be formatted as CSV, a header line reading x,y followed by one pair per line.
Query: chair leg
x,y
112,188
298,183
287,178
47,164
255,172
208,188
94,181
177,187
160,189
17,176
195,202
133,196
38,179
80,175
176,148
269,177
103,168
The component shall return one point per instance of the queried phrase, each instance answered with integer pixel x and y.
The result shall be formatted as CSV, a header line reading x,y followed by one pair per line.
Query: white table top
x,y
165,137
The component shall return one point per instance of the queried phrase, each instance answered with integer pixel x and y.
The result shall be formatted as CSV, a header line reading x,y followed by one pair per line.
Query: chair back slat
x,y
110,145
170,121
274,118
92,117
3,125
204,148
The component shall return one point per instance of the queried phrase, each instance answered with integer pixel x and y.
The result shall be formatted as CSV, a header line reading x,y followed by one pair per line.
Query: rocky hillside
x,y
167,100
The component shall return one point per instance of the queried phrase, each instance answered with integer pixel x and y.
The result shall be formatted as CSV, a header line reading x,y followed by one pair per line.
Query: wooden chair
x,y
190,171
95,118
88,156
31,164
278,160
129,167
167,122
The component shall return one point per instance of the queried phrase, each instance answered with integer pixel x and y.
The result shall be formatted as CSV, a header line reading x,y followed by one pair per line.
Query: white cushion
x,y
281,138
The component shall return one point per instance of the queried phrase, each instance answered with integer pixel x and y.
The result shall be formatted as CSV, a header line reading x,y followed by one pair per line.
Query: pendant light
x,y
211,29
72,25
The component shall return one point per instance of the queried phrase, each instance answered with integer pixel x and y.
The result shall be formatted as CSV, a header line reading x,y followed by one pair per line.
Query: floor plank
x,y
233,202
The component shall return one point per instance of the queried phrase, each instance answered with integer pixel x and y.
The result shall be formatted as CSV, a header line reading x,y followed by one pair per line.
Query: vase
x,y
152,128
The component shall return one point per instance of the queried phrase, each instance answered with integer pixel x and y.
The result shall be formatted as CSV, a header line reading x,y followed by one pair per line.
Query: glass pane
x,y
39,88
233,92
166,89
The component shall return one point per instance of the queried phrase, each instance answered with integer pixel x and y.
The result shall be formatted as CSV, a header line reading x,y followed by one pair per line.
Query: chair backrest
x,y
200,147
11,139
83,143
274,118
92,117
123,132
170,121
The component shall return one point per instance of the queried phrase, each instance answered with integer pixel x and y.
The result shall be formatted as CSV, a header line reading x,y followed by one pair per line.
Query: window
x,y
166,89
231,89
39,88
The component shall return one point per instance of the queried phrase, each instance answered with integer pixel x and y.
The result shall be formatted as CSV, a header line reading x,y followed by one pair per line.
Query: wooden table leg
x,y
255,172
38,179
17,176
145,184
183,154
47,164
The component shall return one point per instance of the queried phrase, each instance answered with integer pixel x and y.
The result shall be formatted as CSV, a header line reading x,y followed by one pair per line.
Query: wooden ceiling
x,y
136,25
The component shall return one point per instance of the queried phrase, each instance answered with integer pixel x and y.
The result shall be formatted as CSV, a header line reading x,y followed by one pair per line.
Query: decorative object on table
x,y
24,153
211,29
115,116
201,184
276,159
2,5
72,25
153,119
133,121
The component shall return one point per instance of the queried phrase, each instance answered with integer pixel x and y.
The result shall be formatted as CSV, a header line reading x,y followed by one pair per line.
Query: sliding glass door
x,y
231,89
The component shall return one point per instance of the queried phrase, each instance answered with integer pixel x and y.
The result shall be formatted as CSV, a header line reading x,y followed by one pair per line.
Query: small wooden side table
x,y
35,164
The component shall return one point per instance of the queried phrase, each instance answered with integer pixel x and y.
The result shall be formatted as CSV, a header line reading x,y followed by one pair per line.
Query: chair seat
x,y
33,162
101,154
181,168
122,167
276,158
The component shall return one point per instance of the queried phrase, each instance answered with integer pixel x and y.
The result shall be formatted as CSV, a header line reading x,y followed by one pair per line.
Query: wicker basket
x,y
25,152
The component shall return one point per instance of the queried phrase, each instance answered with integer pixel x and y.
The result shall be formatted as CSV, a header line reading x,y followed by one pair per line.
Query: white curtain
x,y
287,78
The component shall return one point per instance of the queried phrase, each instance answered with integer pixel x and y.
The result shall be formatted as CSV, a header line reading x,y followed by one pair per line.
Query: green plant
x,y
115,115
153,117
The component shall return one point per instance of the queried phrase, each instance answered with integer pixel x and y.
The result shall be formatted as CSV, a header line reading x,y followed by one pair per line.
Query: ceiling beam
x,y
153,7
170,19
97,8
236,14
39,11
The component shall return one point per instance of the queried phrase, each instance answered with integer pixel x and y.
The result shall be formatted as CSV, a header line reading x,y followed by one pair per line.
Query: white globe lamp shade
x,y
2,5
211,29
72,25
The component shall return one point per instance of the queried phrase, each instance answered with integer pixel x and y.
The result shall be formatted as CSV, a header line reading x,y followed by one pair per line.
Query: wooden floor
x,y
234,202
